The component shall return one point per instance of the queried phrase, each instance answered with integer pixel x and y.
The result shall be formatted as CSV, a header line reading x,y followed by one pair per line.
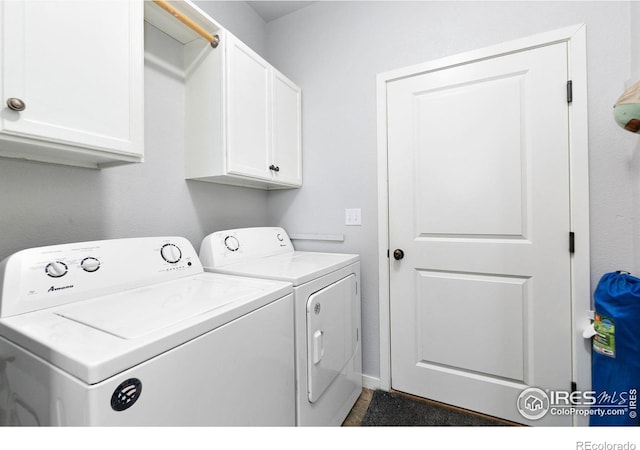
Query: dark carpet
x,y
393,409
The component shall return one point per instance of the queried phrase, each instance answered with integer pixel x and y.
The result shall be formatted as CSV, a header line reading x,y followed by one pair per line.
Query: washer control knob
x,y
171,253
90,264
280,237
232,243
56,269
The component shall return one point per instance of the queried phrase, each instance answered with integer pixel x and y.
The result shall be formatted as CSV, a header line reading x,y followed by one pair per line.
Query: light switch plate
x,y
353,216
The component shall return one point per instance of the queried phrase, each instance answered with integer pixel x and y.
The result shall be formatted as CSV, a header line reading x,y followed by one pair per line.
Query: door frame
x,y
575,37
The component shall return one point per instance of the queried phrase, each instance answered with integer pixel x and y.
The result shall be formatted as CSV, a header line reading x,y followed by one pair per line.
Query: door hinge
x,y
572,242
569,91
574,386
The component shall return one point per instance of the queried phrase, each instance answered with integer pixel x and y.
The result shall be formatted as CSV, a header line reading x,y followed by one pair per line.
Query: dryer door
x,y
332,333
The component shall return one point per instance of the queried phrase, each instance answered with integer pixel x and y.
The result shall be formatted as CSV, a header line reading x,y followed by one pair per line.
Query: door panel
x,y
443,295
472,153
248,121
287,153
479,202
331,334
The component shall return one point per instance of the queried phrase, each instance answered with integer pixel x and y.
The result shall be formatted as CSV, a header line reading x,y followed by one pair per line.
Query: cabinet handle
x,y
274,168
16,104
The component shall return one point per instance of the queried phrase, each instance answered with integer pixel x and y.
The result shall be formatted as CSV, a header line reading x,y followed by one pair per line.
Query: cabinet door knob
x,y
274,168
16,104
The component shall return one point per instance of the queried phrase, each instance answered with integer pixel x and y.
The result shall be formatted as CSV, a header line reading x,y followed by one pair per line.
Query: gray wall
x,y
44,204
634,20
334,50
241,20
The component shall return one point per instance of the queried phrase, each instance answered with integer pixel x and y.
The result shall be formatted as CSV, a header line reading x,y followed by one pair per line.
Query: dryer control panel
x,y
43,277
241,244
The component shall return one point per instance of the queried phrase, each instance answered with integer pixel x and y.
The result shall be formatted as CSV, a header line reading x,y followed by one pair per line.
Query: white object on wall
x,y
243,117
72,88
353,216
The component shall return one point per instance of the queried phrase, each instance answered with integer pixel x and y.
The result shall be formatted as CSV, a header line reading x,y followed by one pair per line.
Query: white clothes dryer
x,y
326,309
134,332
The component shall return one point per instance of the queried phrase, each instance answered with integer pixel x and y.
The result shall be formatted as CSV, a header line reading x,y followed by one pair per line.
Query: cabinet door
x,y
286,149
78,68
248,142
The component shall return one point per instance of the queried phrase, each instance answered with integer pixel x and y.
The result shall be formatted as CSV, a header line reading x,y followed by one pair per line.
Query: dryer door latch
x,y
318,346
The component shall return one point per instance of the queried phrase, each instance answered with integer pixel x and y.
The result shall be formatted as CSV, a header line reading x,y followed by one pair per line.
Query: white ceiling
x,y
273,10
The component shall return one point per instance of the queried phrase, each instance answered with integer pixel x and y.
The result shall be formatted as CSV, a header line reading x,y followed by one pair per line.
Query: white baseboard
x,y
369,382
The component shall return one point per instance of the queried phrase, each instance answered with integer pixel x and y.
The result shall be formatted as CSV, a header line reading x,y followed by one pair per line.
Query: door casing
x,y
575,37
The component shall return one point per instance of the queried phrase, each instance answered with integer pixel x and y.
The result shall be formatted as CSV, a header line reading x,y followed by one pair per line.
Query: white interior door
x,y
479,201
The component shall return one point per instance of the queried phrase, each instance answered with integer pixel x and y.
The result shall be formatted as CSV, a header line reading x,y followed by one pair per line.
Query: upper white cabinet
x,y
286,150
71,81
248,110
242,116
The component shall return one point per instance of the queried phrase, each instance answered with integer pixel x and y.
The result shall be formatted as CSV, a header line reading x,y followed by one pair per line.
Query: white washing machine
x,y
133,332
326,308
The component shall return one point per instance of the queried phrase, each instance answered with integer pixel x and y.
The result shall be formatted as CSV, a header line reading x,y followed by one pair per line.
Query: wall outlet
x,y
353,216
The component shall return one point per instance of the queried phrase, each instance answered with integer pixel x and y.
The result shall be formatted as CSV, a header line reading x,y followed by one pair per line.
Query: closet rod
x,y
214,40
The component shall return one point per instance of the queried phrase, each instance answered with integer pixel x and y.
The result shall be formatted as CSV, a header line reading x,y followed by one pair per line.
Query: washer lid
x,y
132,315
97,338
297,267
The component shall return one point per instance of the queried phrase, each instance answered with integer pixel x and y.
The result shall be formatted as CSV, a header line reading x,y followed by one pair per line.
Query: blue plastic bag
x,y
616,350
